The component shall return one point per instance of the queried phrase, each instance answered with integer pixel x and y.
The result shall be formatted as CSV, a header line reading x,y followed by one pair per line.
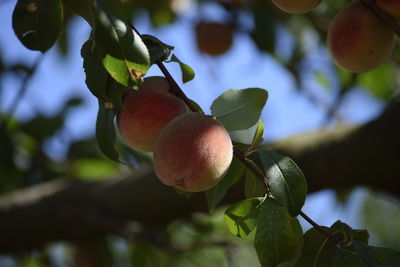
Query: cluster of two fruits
x,y
191,151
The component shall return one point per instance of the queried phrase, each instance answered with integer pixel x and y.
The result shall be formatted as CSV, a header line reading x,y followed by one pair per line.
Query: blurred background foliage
x,y
292,41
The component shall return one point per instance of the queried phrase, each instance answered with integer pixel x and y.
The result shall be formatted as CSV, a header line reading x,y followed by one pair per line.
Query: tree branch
x,y
77,210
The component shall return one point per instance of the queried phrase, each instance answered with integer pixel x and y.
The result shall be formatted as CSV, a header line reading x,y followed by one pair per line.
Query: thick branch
x,y
75,210
349,156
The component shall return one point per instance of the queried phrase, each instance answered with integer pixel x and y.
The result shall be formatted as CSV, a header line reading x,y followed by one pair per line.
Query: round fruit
x,y
144,114
214,38
358,40
193,152
392,7
155,83
296,6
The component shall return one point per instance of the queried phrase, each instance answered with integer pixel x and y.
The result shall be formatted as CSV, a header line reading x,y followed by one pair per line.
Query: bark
x,y
77,210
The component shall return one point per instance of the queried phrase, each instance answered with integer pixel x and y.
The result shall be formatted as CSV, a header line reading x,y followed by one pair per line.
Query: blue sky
x,y
287,112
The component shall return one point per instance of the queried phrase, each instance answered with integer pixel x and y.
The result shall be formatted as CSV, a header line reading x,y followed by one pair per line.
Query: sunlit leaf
x,y
241,218
239,109
257,138
123,52
187,71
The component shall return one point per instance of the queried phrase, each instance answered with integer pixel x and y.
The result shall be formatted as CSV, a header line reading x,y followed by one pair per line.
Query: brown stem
x,y
385,18
175,87
330,236
239,155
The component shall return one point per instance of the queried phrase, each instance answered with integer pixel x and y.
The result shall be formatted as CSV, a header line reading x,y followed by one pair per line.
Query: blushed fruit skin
x,y
155,83
214,38
193,152
296,6
358,40
392,7
144,114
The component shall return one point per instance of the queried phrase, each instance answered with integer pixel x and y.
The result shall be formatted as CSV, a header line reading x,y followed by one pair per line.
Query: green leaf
x,y
349,234
157,49
239,109
105,132
217,193
263,33
93,169
380,81
366,254
387,257
257,138
96,75
287,182
345,258
115,91
241,218
123,52
38,23
83,8
278,235
318,250
146,255
187,71
253,187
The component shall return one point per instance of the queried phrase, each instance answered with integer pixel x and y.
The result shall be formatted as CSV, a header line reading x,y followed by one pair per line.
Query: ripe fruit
x,y
145,113
296,6
392,7
155,83
193,152
214,38
358,40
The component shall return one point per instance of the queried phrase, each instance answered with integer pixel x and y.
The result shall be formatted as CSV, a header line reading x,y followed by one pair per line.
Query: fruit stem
x,y
240,156
175,87
329,235
385,18
237,152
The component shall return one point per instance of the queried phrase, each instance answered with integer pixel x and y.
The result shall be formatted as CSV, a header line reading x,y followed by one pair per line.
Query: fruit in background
x,y
193,152
392,7
358,40
214,38
145,113
296,6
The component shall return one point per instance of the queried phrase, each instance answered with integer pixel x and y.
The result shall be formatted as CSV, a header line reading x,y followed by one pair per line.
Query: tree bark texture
x,y
77,210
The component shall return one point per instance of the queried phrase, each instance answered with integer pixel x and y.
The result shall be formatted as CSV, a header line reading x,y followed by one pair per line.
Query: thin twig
x,y
329,235
175,87
240,156
238,153
21,92
385,18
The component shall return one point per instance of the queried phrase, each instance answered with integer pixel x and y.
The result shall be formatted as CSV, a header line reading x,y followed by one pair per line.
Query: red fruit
x,y
358,40
296,6
193,152
144,114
